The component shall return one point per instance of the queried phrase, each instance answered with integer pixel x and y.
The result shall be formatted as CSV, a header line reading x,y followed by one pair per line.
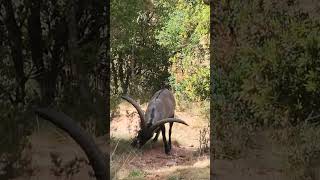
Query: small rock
x,y
171,163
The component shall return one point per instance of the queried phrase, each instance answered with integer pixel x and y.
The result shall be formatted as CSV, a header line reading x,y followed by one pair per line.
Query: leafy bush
x,y
188,43
140,65
271,73
300,149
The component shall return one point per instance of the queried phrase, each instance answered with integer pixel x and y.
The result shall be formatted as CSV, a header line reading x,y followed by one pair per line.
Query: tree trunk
x,y
44,78
115,78
14,36
35,35
214,5
73,33
127,79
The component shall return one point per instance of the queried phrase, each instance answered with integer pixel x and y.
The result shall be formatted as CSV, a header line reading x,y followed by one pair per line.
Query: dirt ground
x,y
151,162
263,161
184,162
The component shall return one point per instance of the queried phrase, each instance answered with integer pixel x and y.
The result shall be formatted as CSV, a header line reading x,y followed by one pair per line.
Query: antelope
x,y
160,110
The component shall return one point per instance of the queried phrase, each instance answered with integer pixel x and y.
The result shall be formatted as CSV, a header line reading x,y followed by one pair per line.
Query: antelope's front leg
x,y
156,136
166,147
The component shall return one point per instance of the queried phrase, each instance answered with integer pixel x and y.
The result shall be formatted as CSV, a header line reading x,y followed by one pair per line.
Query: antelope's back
x,y
161,105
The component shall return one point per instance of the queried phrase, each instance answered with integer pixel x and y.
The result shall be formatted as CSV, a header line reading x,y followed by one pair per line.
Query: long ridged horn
x,y
138,108
85,141
167,120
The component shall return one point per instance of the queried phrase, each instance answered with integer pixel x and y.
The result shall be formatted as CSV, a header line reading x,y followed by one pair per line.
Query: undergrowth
x,y
301,149
232,139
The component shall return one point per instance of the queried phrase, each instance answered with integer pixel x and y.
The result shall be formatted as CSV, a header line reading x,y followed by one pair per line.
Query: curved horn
x,y
138,108
85,141
166,120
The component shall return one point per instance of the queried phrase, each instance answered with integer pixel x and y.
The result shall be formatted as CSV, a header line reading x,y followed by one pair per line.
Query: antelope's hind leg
x,y
170,128
166,147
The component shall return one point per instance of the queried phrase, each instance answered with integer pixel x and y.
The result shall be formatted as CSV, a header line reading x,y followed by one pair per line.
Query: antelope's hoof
x,y
167,150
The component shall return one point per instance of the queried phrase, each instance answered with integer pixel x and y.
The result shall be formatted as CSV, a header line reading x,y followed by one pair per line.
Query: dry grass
x,y
289,153
300,149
